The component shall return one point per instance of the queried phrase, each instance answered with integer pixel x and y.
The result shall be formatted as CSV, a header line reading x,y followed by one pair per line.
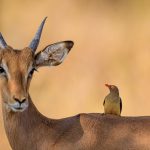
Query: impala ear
x,y
54,54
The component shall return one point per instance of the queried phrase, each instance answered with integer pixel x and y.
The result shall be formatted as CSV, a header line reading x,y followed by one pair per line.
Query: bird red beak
x,y
107,85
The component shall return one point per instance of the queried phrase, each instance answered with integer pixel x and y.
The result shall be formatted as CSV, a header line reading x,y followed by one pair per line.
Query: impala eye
x,y
2,70
31,72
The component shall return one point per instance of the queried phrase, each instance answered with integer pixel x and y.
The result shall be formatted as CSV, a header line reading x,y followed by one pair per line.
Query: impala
x,y
28,129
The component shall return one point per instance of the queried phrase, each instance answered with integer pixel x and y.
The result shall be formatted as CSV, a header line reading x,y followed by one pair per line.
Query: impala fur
x,y
28,129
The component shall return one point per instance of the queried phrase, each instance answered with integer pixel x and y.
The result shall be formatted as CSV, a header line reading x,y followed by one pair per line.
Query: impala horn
x,y
3,44
35,42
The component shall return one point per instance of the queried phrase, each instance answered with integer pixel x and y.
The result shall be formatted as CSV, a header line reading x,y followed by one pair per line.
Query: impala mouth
x,y
16,107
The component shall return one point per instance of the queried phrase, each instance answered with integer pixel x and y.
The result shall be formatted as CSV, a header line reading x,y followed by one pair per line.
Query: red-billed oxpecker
x,y
112,102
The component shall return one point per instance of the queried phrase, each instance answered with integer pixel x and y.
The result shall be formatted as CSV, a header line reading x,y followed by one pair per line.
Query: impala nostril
x,y
16,99
23,100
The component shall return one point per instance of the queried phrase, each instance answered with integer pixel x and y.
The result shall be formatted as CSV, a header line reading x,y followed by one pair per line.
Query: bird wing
x,y
105,99
120,105
104,102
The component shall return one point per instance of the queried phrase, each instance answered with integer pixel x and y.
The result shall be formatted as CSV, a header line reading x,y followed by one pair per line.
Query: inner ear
x,y
53,54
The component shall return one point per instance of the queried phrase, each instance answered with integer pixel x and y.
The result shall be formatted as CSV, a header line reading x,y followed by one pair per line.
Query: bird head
x,y
112,88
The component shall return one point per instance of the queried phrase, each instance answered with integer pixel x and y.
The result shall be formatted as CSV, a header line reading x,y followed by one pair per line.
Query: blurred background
x,y
112,45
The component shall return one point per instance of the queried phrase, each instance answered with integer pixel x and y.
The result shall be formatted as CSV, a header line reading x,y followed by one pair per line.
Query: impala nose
x,y
20,101
19,104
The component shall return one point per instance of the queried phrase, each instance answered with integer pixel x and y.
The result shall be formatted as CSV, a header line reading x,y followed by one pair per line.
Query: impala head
x,y
18,66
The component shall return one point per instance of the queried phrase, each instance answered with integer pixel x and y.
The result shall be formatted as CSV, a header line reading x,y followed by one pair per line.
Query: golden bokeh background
x,y
112,45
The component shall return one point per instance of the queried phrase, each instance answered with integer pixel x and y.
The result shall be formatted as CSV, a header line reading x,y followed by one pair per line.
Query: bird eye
x,y
31,72
2,71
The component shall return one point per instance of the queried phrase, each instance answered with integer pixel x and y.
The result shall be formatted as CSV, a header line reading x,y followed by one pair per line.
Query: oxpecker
x,y
112,102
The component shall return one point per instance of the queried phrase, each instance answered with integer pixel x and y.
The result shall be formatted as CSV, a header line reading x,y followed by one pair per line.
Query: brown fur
x,y
30,130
